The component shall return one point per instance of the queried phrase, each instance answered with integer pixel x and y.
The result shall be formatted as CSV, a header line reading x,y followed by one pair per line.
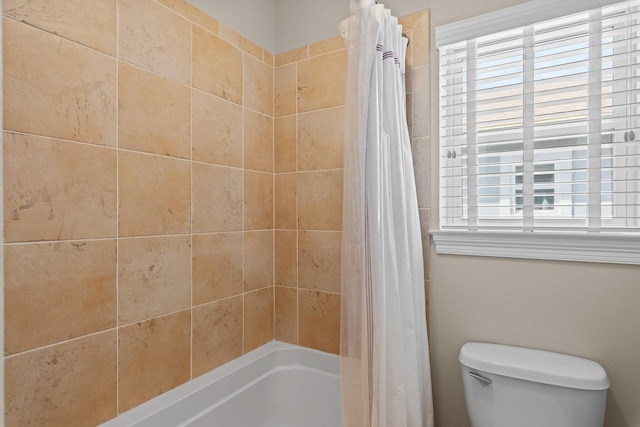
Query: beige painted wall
x,y
589,310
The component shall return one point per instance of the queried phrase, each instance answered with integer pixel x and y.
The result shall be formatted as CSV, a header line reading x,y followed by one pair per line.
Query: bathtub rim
x,y
287,355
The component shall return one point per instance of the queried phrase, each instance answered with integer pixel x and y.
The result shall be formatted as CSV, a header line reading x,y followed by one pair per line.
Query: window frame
x,y
584,246
556,246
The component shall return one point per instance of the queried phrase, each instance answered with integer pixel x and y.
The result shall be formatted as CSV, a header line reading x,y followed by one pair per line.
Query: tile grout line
x,y
60,139
244,234
69,340
275,194
191,311
117,148
3,403
62,38
148,236
116,328
297,209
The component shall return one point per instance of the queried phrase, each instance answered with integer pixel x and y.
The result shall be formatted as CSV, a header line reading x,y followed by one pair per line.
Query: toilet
x,y
508,386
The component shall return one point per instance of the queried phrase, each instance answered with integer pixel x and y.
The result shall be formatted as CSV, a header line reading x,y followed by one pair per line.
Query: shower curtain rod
x,y
403,34
343,27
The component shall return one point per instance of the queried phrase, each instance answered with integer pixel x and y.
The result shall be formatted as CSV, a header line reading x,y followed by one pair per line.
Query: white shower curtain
x,y
385,371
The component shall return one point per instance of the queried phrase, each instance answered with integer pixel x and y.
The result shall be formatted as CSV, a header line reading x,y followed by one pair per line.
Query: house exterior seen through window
x,y
540,125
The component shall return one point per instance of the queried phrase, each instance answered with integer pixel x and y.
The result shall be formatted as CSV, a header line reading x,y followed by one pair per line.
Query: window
x,y
540,120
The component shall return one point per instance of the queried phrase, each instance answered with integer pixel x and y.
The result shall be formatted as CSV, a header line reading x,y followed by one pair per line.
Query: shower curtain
x,y
385,371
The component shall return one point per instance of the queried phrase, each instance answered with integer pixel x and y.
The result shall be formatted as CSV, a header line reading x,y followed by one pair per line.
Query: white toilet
x,y
508,386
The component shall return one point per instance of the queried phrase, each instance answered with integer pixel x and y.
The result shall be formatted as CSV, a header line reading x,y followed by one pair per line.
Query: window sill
x,y
559,246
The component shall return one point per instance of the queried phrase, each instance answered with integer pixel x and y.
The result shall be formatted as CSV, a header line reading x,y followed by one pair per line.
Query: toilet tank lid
x,y
534,365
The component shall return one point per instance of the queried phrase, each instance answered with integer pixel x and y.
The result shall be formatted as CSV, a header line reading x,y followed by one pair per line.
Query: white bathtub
x,y
276,385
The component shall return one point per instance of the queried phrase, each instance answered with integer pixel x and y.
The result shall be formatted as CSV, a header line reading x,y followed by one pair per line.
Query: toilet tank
x,y
508,386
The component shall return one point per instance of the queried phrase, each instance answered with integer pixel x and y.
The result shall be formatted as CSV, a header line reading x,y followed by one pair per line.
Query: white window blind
x,y
540,125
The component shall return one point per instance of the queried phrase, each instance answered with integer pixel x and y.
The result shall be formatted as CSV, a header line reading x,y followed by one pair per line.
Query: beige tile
x,y
284,93
421,103
286,315
193,14
217,266
427,307
408,78
325,46
424,232
321,146
421,148
424,223
205,21
217,334
154,195
258,141
58,291
217,198
269,58
258,200
408,60
320,200
409,113
178,6
153,357
69,384
319,320
285,144
293,55
154,38
258,318
258,259
240,42
217,130
418,24
258,85
425,259
286,258
92,24
154,114
57,190
321,81
319,257
154,277
57,88
408,21
286,198
217,66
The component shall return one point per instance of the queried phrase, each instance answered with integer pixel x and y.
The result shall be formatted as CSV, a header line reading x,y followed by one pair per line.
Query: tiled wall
x,y
148,212
309,127
309,97
416,27
138,203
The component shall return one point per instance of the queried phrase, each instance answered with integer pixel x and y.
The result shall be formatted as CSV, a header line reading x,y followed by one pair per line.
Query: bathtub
x,y
276,385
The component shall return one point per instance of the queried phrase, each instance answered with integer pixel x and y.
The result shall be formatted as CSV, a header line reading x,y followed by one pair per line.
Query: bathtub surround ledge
x,y
266,378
